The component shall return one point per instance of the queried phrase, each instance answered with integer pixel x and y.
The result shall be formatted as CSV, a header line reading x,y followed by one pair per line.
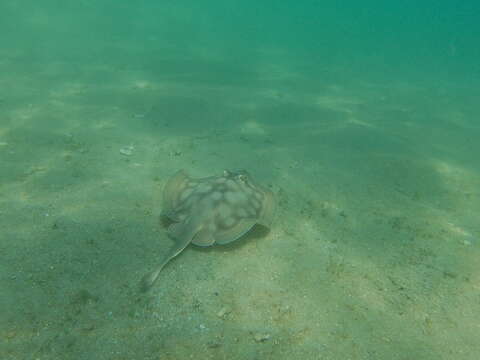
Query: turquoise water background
x,y
362,117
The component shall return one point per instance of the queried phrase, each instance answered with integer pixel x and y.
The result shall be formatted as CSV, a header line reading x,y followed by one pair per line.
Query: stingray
x,y
211,210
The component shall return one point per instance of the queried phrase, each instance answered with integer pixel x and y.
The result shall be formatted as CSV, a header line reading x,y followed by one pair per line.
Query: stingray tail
x,y
149,279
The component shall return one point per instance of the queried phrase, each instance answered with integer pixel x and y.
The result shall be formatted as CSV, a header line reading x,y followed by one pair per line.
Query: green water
x,y
361,117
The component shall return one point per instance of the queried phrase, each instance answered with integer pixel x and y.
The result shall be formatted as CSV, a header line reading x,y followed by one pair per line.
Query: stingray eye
x,y
226,173
243,178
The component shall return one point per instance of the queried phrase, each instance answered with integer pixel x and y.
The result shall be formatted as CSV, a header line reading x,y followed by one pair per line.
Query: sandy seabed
x,y
373,253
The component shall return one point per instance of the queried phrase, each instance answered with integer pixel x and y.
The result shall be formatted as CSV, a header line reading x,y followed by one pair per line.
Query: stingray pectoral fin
x,y
174,186
235,232
203,238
